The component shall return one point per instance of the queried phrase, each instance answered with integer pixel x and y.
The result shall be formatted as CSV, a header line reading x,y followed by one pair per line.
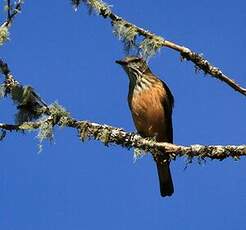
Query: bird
x,y
151,103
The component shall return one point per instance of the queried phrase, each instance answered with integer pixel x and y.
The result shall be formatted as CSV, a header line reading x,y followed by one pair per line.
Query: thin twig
x,y
9,10
12,12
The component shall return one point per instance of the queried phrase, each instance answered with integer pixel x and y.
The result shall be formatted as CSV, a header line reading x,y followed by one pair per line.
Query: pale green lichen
x,y
45,131
126,33
2,91
99,7
104,136
138,154
150,46
4,35
27,126
58,112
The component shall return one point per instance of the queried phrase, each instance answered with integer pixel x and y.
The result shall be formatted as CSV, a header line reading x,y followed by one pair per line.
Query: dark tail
x,y
165,178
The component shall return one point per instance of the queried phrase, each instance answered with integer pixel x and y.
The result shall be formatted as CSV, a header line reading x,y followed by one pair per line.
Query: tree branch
x,y
112,135
12,12
129,31
9,9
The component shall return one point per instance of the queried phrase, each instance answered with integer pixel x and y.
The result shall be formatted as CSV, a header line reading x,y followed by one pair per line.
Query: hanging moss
x,y
150,46
126,33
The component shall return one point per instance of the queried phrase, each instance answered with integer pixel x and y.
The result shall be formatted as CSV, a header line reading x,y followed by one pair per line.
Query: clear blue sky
x,y
69,56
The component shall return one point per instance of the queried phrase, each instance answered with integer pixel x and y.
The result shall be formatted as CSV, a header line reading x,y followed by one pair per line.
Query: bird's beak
x,y
121,62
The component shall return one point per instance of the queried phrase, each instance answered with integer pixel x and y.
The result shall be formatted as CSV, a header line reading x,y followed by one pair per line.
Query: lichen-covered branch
x,y
12,11
111,135
29,104
151,43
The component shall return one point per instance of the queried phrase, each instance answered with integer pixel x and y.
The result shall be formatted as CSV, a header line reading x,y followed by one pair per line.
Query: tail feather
x,y
165,178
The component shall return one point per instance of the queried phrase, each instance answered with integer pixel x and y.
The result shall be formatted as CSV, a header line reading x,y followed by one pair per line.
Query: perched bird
x,y
151,103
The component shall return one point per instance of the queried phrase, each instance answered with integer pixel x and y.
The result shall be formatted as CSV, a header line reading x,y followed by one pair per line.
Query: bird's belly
x,y
148,114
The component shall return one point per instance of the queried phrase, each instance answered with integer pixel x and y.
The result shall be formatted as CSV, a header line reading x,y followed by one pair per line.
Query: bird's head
x,y
134,66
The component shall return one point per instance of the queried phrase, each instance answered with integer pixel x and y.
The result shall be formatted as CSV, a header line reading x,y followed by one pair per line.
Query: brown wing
x,y
168,103
162,162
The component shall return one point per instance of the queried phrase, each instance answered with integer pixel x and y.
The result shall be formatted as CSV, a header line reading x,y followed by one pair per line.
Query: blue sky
x,y
69,57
